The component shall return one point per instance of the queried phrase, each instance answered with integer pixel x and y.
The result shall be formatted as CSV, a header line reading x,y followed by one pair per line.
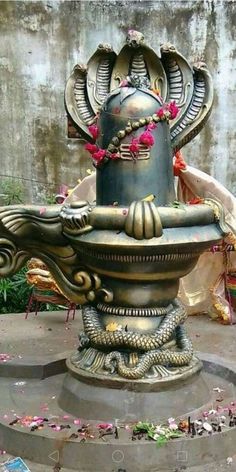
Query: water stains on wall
x,y
41,42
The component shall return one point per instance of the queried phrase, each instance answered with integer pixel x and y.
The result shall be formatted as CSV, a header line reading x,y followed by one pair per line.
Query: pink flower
x,y
77,421
114,155
172,424
99,155
6,357
105,425
134,146
151,126
161,113
146,138
124,83
91,148
93,129
173,109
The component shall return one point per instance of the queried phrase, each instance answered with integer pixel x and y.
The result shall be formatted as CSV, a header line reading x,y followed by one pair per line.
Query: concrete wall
x,y
41,41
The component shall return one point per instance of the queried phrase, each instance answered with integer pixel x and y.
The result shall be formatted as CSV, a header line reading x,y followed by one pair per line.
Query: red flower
x,y
134,146
161,113
151,126
92,148
93,129
99,155
146,138
114,156
173,109
104,425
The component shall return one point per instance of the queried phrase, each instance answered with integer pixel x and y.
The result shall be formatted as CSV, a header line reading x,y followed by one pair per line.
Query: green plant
x,y
15,293
49,198
159,433
12,191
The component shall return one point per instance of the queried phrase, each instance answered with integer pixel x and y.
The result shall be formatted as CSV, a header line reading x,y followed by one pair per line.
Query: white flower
x,y
171,420
159,430
207,426
212,412
173,426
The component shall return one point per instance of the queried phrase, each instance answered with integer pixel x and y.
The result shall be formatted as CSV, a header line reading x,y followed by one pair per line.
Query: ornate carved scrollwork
x,y
75,217
30,231
11,258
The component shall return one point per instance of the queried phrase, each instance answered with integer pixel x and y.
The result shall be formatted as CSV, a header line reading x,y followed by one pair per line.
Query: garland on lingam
x,y
167,112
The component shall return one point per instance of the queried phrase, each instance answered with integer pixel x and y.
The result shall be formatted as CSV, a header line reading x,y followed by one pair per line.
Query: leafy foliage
x,y
12,192
161,434
49,198
14,293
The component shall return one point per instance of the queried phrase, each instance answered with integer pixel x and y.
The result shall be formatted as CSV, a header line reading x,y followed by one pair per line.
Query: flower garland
x,y
168,111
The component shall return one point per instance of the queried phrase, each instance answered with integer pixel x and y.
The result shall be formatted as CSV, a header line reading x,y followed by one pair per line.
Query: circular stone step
x,y
48,446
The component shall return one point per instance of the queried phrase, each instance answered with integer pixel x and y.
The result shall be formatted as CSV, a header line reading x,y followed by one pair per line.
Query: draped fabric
x,y
204,290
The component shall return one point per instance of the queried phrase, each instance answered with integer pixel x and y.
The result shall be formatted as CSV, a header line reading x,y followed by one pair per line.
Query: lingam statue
x,y
122,256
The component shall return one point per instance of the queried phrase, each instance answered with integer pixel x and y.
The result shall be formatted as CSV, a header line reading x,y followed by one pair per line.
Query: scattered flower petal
x,y
4,357
77,421
42,210
104,425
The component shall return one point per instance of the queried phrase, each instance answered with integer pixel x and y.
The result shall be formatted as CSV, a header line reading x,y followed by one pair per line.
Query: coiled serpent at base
x,y
100,338
148,359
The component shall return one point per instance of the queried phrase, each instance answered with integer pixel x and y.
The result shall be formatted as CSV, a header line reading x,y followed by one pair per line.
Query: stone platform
x,y
31,382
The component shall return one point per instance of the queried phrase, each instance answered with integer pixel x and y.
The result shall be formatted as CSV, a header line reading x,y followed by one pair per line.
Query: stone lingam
x,y
121,258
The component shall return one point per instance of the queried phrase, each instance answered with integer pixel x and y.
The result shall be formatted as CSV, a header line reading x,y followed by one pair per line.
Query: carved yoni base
x,y
90,365
170,393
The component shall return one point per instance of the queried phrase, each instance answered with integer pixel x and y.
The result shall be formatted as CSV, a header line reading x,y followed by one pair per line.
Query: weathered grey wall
x,y
41,41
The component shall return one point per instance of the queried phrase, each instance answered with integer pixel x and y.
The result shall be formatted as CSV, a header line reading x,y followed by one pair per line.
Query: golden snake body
x,y
148,359
100,338
97,337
